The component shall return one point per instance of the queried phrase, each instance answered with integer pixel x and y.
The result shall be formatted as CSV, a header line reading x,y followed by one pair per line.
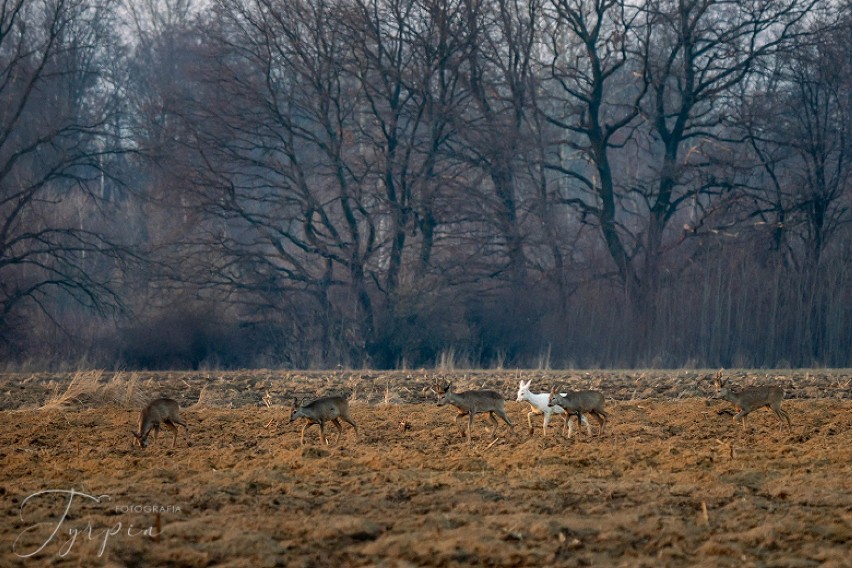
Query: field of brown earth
x,y
672,482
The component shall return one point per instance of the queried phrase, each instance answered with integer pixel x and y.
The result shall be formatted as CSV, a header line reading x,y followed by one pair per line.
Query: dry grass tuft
x,y
89,388
124,390
217,394
204,396
391,395
83,387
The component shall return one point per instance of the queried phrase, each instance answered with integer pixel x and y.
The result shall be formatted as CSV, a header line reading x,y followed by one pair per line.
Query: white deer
x,y
539,405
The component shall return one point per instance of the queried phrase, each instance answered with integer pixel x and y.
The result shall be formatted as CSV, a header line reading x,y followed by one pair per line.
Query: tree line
x,y
406,183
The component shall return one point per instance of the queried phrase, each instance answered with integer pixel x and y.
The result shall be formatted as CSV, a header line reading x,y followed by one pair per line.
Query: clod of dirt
x,y
313,452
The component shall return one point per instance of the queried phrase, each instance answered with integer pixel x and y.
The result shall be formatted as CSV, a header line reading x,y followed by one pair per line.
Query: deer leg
x,y
588,427
469,425
156,433
502,414
174,430
322,432
185,430
529,421
459,416
580,420
741,416
594,415
601,418
336,422
565,424
782,416
494,421
570,428
352,422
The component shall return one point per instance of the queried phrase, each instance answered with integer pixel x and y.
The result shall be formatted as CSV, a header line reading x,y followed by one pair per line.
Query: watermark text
x,y
67,530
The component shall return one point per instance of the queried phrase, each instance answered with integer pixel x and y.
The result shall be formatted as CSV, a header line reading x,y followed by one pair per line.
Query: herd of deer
x,y
570,404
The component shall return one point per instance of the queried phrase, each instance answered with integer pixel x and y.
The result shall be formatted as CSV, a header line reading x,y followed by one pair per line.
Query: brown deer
x,y
163,411
470,403
575,403
752,398
322,410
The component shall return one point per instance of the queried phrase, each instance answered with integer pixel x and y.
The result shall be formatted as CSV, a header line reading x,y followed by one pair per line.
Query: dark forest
x,y
425,183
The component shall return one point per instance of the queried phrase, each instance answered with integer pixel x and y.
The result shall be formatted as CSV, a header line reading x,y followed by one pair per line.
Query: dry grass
x,y
125,391
90,388
83,387
248,388
204,397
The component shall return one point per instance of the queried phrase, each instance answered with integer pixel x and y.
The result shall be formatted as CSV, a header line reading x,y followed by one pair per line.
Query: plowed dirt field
x,y
672,482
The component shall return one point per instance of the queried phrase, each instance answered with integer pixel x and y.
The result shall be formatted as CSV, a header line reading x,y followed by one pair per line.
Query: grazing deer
x,y
752,398
163,411
473,402
327,408
539,405
578,402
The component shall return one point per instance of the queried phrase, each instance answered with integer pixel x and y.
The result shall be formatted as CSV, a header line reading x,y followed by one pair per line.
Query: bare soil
x,y
672,482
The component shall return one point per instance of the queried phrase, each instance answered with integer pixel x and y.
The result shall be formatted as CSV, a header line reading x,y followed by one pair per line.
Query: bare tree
x,y
697,52
278,174
58,143
406,59
799,126
593,104
494,131
641,93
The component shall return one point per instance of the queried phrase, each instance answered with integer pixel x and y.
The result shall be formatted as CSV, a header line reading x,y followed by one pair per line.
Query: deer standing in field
x,y
322,410
539,404
163,411
752,398
578,402
473,402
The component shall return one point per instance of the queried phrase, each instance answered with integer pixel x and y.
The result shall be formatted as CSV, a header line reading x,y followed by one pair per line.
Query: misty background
x,y
407,183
